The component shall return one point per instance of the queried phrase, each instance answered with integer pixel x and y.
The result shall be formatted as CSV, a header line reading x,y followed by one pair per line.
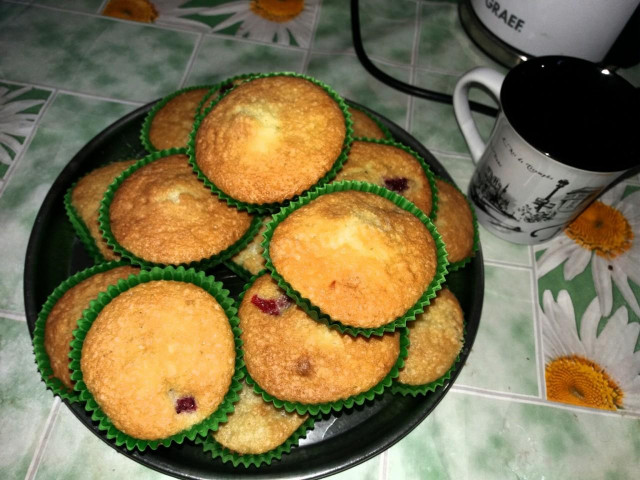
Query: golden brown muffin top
x,y
357,256
270,139
256,426
162,213
454,222
389,167
159,358
172,124
365,126
87,195
251,257
64,316
436,338
297,359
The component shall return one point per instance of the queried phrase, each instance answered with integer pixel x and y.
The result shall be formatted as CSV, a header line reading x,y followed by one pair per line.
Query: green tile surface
x,y
503,357
471,437
24,400
94,55
68,124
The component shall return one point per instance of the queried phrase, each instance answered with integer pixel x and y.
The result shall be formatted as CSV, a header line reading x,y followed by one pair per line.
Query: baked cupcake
x,y
455,222
393,166
157,359
364,126
270,138
161,213
82,204
296,359
250,259
169,124
60,314
256,426
357,256
436,338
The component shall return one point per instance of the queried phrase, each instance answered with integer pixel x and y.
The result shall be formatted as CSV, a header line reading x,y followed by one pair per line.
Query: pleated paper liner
x,y
80,228
202,264
148,120
312,310
42,358
431,178
387,133
180,274
476,234
217,450
267,208
317,408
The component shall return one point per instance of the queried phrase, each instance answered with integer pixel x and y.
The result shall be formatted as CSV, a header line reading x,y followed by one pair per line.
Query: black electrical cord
x,y
395,83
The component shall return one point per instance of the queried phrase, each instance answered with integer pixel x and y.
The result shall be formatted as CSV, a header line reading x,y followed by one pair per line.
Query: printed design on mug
x,y
604,236
585,368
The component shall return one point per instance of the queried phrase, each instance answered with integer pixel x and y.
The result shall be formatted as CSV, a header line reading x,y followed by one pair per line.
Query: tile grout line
x,y
538,324
192,59
412,71
306,58
512,266
42,443
19,317
383,471
531,400
27,142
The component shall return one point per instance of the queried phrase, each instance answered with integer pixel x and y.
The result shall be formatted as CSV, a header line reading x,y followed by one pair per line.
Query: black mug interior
x,y
575,112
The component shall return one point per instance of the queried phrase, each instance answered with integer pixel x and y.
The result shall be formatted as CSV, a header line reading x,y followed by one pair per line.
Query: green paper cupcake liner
x,y
203,264
268,208
180,274
217,450
476,233
314,311
317,408
381,126
42,358
415,390
214,92
80,228
431,178
148,120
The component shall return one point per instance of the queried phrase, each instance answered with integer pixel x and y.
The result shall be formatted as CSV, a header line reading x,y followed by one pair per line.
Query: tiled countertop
x,y
67,72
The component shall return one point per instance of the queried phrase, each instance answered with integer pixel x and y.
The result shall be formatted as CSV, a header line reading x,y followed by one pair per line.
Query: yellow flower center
x,y
579,381
137,10
602,229
277,10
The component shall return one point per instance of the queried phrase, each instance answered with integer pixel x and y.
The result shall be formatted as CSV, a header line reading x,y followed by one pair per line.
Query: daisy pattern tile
x,y
586,369
604,236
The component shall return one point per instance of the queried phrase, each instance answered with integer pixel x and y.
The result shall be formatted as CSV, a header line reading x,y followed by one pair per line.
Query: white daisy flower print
x,y
14,123
589,370
607,234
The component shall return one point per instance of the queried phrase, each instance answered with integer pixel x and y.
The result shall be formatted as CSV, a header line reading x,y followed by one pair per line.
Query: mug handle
x,y
488,78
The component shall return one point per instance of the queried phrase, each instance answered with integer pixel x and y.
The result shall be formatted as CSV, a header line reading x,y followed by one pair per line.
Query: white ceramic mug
x,y
566,130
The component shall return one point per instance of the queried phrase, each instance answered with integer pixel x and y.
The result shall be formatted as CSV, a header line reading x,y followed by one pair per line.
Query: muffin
x,y
388,165
454,221
171,124
85,199
162,213
63,318
365,126
357,256
436,338
159,358
250,258
297,359
256,426
270,139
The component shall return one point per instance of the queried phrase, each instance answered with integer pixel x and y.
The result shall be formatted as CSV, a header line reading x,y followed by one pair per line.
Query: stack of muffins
x,y
344,239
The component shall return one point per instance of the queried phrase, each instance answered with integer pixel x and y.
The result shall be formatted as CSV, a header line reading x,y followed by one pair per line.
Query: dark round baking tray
x,y
340,440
